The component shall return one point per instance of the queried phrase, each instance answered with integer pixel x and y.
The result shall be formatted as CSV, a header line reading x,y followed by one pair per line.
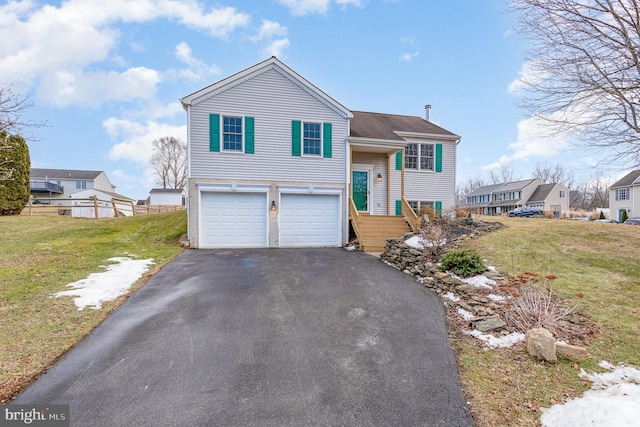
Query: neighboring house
x,y
60,183
273,161
550,198
624,195
167,196
478,200
500,198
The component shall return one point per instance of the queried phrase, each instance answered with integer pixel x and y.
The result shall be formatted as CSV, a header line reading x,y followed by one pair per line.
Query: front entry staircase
x,y
376,229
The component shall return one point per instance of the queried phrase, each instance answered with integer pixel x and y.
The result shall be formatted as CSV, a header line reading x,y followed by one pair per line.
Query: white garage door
x,y
310,220
234,220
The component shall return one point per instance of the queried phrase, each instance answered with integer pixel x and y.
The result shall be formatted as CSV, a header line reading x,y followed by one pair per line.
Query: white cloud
x,y
276,47
303,7
535,139
407,57
274,35
136,137
49,45
528,75
64,88
196,70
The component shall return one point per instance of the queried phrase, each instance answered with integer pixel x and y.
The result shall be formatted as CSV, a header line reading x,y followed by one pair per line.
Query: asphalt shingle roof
x,y
541,193
629,179
68,174
383,126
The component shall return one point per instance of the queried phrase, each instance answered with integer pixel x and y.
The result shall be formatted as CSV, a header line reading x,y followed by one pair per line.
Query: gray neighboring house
x,y
65,183
624,195
480,198
497,199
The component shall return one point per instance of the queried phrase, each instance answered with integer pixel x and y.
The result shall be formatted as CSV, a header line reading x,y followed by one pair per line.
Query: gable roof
x,y
272,63
632,178
541,193
484,190
66,174
392,126
95,190
515,185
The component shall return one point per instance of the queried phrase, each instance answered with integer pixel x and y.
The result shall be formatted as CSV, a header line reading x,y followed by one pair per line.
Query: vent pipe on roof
x,y
427,112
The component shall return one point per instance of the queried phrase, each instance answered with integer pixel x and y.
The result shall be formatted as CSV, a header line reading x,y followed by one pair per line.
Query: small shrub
x,y
463,262
624,216
15,165
602,215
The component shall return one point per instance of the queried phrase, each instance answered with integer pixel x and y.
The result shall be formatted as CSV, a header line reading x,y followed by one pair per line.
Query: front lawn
x,y
39,256
597,266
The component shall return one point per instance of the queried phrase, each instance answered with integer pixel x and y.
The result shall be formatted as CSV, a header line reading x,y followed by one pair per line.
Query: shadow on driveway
x,y
265,337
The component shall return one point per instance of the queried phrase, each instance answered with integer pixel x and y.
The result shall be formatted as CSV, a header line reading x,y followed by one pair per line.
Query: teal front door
x,y
360,190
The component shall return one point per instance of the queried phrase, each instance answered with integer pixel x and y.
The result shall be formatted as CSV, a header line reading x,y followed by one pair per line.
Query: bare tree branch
x,y
12,108
584,79
169,161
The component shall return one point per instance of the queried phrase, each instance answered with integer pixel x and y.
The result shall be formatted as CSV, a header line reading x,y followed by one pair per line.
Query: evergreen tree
x,y
15,165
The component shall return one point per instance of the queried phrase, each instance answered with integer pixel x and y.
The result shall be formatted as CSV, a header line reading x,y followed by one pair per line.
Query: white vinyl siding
x,y
438,186
274,101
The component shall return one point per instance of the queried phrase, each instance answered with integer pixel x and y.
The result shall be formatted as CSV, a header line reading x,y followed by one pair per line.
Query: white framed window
x,y
311,139
418,205
232,134
420,157
562,194
81,185
622,194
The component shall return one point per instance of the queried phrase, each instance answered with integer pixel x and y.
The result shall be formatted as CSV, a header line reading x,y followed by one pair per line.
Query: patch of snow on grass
x,y
497,342
419,242
496,298
465,314
115,281
479,282
614,400
451,296
492,269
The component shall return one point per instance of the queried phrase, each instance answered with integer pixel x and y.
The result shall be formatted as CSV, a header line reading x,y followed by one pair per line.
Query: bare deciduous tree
x,y
169,161
583,73
554,174
504,174
12,108
466,188
591,194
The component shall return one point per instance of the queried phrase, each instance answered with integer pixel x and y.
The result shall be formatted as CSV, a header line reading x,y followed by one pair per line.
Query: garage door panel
x,y
234,220
310,220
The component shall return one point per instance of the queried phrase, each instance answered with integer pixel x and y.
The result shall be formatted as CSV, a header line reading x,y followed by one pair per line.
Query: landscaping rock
x,y
541,344
567,350
488,324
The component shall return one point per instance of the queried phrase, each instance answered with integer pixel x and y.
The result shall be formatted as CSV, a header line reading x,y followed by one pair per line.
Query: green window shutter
x,y
326,140
438,157
248,135
296,132
398,207
399,161
214,132
438,208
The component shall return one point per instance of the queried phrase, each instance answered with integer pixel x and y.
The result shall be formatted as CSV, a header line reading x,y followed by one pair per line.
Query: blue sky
x,y
107,75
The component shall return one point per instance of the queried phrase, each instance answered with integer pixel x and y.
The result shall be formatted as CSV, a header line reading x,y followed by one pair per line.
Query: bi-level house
x,y
624,195
61,183
273,161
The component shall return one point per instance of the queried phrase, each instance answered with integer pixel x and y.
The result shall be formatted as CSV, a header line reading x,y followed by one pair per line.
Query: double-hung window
x,y
81,185
232,133
311,139
622,194
419,157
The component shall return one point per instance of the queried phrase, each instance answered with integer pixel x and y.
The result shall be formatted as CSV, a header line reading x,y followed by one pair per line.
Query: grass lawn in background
x,y
39,256
598,267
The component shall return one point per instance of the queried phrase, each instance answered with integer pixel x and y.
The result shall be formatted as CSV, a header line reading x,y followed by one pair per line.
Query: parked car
x,y
632,221
526,211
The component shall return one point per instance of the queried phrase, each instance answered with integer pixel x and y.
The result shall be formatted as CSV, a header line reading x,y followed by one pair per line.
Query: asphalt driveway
x,y
268,337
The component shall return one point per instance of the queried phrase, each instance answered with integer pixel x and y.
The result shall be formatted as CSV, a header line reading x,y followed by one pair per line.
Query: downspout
x,y
402,177
389,185
189,173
